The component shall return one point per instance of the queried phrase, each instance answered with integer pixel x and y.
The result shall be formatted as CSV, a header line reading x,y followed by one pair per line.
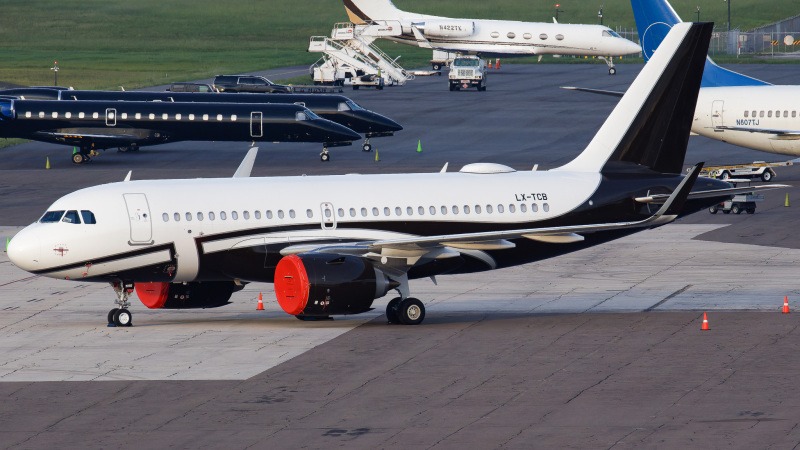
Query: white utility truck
x,y
467,72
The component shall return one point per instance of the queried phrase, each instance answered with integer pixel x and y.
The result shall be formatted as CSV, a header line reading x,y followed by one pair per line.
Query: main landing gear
x,y
367,147
325,156
406,311
83,155
121,317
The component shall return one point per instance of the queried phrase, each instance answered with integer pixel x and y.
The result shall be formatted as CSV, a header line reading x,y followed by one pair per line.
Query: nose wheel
x,y
121,317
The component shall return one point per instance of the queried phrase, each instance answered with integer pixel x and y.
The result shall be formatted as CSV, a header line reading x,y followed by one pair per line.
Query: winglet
x,y
444,169
247,164
128,176
674,204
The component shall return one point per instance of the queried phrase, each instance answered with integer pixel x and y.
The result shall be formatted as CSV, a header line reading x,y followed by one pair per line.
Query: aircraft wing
x,y
783,135
114,137
594,91
415,247
658,198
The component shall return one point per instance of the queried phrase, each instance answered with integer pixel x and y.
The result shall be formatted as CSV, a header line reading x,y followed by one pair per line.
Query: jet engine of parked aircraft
x,y
319,285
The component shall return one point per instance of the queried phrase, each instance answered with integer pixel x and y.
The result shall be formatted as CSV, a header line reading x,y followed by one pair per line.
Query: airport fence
x,y
777,40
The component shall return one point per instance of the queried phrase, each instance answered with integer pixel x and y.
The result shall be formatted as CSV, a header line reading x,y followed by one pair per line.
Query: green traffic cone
x,y
419,146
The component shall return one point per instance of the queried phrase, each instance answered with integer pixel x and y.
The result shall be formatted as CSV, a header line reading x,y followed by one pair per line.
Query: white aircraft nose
x,y
25,250
630,47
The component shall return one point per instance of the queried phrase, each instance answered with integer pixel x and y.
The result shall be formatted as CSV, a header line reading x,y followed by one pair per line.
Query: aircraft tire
x,y
325,157
367,147
123,318
111,315
79,158
411,311
391,310
612,71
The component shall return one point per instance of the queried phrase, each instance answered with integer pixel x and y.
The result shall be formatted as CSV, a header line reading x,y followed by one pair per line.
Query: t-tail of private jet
x,y
654,18
333,244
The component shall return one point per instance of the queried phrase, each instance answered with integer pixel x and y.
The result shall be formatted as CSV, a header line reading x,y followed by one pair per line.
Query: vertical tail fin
x,y
654,18
364,11
649,128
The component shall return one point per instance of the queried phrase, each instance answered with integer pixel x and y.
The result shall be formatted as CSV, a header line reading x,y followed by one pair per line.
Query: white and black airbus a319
x,y
332,247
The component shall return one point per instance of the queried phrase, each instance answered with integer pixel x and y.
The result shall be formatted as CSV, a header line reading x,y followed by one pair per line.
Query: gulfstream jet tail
x,y
654,18
649,128
372,10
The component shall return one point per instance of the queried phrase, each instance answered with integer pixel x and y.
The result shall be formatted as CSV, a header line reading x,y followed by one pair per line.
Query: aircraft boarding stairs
x,y
350,50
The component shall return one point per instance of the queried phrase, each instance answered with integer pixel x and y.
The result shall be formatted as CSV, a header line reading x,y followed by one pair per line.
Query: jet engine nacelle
x,y
318,284
198,294
446,28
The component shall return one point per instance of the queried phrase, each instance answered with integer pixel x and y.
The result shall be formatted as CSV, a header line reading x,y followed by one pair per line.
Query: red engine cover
x,y
291,284
152,295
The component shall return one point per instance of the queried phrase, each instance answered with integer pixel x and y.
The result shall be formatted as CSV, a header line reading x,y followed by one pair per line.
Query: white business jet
x,y
332,247
490,38
731,107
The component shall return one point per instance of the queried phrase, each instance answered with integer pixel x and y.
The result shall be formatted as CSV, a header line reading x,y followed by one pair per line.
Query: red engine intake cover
x,y
153,295
291,284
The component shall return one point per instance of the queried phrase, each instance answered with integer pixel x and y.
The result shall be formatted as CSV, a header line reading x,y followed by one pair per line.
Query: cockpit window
x,y
71,217
88,217
467,62
343,106
311,115
300,115
354,106
610,33
51,216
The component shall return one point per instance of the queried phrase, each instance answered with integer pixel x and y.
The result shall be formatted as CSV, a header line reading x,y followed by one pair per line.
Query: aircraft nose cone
x,y
387,123
341,132
24,250
631,47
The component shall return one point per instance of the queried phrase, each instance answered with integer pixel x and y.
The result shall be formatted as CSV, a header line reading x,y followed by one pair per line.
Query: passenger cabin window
x,y
269,214
769,113
223,216
165,216
246,215
545,207
527,36
560,37
511,35
495,34
51,216
234,215
177,217
292,215
542,36
211,215
71,217
747,113
352,212
200,216
88,217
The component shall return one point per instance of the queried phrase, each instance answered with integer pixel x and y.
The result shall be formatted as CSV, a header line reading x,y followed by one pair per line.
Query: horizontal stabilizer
x,y
659,198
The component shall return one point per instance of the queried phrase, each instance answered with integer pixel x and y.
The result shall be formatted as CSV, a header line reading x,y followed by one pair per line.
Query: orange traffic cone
x,y
497,63
489,64
260,303
705,322
786,305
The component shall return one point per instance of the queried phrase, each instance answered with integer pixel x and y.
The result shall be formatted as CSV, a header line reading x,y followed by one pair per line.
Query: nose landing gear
x,y
121,317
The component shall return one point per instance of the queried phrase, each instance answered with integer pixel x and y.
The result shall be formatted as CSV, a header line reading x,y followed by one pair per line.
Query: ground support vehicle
x,y
758,169
467,72
739,203
442,59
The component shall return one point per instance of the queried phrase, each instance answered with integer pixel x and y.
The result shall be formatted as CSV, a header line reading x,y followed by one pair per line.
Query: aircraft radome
x,y
332,247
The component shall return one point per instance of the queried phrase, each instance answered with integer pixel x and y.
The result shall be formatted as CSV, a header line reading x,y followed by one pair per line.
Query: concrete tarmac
x,y
599,348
